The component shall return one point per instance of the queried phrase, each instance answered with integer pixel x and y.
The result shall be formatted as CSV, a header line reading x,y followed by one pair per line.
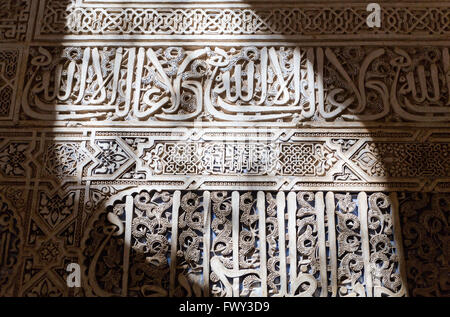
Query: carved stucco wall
x,y
224,149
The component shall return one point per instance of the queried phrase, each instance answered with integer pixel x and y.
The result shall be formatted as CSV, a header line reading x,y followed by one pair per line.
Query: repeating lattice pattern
x,y
70,18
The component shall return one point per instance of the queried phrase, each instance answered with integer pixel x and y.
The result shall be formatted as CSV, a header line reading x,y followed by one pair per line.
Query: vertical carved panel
x,y
10,245
149,273
304,245
384,256
350,262
425,230
249,240
103,252
222,243
191,248
273,251
221,246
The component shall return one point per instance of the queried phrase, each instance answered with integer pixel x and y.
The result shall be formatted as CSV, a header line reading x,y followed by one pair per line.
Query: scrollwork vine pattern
x,y
219,251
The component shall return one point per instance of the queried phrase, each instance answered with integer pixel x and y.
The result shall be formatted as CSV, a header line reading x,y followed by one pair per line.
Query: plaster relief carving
x,y
9,64
226,149
283,85
144,19
235,261
14,15
11,241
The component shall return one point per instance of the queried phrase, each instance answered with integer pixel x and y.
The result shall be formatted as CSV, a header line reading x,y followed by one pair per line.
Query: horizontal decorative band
x,y
218,159
408,21
250,85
